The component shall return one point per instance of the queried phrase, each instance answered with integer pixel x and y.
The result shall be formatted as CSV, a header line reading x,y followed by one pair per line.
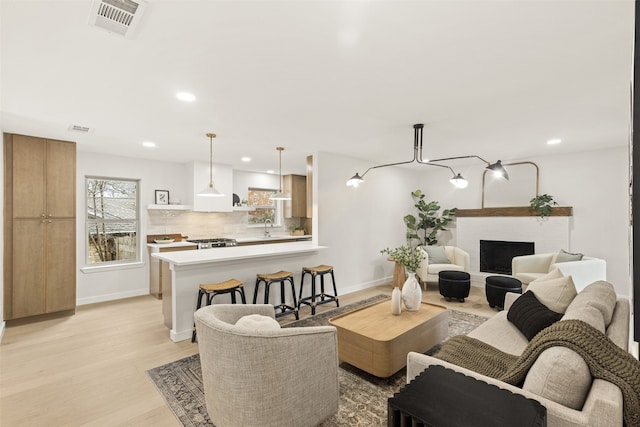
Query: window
x,y
112,220
268,209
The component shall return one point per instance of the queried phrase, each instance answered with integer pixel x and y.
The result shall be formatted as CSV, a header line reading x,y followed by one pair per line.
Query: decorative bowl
x,y
164,240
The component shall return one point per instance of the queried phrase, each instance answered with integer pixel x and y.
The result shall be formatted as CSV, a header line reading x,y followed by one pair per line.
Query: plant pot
x,y
297,232
396,301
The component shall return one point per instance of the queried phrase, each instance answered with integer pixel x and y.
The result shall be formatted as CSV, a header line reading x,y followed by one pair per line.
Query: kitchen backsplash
x,y
210,224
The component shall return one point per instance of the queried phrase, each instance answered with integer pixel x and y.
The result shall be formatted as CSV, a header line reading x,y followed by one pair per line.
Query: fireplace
x,y
496,255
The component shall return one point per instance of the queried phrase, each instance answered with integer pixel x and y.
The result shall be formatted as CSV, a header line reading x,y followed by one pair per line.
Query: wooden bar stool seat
x,y
279,277
312,301
210,290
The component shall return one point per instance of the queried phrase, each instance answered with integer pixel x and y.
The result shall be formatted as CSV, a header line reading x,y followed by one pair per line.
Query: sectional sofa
x,y
559,379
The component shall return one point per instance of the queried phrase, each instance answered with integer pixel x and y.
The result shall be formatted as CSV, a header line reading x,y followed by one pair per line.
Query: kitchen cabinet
x,y
40,226
296,185
223,181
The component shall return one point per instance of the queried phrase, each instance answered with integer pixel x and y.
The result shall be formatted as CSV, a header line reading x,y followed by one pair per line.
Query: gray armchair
x,y
281,377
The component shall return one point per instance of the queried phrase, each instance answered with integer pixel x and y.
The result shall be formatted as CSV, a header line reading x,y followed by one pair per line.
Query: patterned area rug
x,y
363,397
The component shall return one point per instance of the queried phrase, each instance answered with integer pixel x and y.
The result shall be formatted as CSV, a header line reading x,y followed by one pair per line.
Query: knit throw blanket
x,y
605,359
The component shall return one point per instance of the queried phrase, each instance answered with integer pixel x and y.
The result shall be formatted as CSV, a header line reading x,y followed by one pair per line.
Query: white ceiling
x,y
494,78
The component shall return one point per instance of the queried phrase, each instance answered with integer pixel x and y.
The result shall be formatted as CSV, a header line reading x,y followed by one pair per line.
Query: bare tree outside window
x,y
112,220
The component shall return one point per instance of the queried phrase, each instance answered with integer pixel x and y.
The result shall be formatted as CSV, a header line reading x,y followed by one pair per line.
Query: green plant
x,y
542,204
296,227
410,258
428,223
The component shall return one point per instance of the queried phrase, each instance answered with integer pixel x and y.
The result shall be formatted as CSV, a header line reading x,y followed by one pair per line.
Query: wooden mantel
x,y
512,211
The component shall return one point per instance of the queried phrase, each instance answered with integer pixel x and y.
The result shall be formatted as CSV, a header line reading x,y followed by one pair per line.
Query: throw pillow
x,y
530,316
437,254
564,256
257,322
556,294
553,274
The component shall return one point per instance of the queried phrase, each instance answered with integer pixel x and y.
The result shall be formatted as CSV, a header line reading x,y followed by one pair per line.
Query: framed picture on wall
x,y
162,197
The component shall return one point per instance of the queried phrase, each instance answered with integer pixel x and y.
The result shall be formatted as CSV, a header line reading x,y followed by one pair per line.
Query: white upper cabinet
x,y
222,180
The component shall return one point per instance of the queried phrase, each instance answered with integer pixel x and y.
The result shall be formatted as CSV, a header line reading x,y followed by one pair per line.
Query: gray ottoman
x,y
497,286
454,284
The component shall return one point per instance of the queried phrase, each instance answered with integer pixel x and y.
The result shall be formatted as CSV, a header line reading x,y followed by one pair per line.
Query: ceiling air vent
x,y
117,16
78,128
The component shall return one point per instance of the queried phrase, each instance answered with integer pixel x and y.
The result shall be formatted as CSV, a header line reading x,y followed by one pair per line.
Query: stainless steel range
x,y
213,243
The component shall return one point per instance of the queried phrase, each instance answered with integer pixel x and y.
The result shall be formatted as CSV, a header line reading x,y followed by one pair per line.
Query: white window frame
x,y
104,265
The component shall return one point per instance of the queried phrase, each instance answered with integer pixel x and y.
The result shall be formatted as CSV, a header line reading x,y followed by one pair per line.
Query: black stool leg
x,y
267,288
241,291
335,290
293,295
313,293
255,292
198,305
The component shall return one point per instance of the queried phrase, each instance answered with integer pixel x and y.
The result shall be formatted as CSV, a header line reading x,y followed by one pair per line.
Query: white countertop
x,y
274,238
171,245
203,256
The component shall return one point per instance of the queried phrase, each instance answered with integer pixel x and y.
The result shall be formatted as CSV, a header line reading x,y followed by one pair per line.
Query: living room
x,y
355,224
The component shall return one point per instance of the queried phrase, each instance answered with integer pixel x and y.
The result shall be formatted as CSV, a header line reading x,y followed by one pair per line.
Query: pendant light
x,y
210,190
280,195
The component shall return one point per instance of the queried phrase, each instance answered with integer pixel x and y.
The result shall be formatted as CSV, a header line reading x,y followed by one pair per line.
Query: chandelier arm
x,y
461,157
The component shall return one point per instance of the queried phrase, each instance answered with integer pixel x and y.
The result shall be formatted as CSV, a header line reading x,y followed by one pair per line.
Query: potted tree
x,y
425,226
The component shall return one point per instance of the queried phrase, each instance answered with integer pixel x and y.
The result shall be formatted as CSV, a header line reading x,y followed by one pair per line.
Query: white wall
x,y
2,322
103,285
594,183
357,223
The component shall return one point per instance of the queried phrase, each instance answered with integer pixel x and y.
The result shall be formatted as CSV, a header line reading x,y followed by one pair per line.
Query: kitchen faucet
x,y
266,232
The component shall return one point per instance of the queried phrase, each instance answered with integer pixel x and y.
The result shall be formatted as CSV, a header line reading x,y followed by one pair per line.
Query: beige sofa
x,y
559,379
256,374
527,268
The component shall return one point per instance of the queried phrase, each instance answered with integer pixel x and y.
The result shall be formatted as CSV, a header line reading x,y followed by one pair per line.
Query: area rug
x,y
363,397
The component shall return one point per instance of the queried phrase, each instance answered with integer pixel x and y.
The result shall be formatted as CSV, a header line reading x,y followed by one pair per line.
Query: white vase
x,y
411,293
396,301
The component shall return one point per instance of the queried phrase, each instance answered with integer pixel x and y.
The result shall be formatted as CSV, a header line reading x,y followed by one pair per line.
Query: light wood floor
x,y
90,369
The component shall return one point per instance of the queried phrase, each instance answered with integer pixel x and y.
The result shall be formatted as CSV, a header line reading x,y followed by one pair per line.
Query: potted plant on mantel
x,y
542,204
427,224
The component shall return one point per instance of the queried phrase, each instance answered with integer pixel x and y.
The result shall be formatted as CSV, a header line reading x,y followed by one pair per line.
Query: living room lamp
x,y
210,190
280,195
457,179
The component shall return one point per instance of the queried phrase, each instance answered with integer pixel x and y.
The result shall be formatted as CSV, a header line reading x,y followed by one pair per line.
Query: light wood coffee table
x,y
376,341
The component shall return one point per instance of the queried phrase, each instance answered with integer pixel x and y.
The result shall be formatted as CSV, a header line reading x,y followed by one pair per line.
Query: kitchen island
x,y
184,271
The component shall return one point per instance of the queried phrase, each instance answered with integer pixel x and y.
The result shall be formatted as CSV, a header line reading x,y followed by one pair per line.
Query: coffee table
x,y
376,341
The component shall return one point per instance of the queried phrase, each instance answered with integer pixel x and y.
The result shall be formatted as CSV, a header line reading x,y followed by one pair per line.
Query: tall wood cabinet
x,y
296,185
39,226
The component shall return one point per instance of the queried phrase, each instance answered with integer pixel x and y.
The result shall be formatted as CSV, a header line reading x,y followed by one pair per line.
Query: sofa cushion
x,y
257,322
564,256
553,274
600,295
531,316
498,332
437,255
556,294
561,375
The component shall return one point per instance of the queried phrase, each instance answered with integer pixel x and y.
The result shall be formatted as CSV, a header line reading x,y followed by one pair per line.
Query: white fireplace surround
x,y
549,235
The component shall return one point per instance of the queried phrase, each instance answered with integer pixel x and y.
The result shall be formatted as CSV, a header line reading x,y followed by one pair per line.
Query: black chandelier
x,y
457,179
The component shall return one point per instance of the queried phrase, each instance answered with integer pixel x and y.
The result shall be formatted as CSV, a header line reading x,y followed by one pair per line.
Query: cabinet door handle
x,y
49,221
42,215
42,222
50,215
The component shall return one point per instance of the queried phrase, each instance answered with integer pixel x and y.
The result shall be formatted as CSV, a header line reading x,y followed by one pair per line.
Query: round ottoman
x,y
497,286
454,284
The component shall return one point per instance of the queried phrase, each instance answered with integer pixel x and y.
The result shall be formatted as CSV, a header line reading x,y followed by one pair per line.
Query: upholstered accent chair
x,y
440,258
258,374
528,268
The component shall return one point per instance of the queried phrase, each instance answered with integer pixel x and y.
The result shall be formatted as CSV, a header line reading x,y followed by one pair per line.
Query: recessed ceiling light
x,y
148,144
554,141
246,159
271,171
186,96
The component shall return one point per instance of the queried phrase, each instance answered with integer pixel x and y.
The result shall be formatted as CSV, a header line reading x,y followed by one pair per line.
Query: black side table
x,y
440,397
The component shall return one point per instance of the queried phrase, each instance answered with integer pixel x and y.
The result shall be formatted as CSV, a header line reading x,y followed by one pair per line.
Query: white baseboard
x,y
2,328
111,297
365,285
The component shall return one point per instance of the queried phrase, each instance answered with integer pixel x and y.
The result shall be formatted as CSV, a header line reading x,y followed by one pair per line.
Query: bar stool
x,y
279,277
319,270
209,291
